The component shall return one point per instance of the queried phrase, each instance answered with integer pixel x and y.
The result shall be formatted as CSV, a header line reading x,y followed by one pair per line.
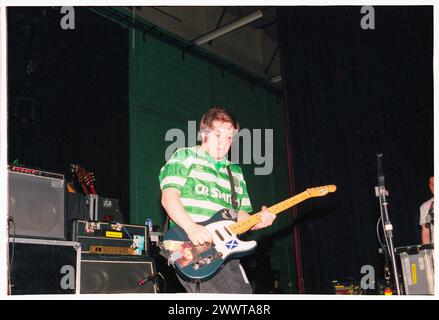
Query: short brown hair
x,y
219,114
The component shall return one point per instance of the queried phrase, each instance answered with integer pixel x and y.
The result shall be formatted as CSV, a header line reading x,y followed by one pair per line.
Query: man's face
x,y
431,184
219,139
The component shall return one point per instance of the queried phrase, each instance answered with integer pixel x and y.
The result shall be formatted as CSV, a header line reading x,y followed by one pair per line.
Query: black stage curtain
x,y
68,96
353,93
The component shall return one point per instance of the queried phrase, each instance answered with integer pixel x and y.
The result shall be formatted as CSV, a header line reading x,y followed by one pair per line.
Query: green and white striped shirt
x,y
203,183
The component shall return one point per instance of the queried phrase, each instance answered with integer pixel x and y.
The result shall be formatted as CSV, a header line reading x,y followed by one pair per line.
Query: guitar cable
x,y
11,260
126,231
384,251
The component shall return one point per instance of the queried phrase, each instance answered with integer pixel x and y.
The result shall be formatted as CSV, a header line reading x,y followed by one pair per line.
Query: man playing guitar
x,y
195,184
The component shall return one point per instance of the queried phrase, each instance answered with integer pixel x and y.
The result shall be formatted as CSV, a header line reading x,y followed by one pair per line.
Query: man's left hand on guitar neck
x,y
267,218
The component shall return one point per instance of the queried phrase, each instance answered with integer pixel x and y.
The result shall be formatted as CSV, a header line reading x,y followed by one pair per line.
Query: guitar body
x,y
203,262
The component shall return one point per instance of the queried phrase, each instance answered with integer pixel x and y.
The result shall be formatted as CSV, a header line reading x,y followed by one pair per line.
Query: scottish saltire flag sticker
x,y
232,244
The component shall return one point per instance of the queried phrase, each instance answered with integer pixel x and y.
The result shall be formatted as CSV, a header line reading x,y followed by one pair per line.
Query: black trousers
x,y
230,279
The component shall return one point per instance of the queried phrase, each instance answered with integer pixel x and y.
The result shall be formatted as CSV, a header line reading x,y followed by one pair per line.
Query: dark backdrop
x,y
68,96
353,93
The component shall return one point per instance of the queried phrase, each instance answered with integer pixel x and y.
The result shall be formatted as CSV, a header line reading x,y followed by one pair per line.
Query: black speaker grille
x,y
36,268
105,275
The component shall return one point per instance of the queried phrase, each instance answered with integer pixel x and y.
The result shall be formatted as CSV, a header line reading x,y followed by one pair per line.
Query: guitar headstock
x,y
85,178
321,191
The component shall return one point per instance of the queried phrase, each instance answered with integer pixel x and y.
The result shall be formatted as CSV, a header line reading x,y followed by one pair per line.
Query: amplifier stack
x,y
100,256
114,257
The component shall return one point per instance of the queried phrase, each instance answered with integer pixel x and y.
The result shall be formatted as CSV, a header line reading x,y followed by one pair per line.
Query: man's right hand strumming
x,y
198,234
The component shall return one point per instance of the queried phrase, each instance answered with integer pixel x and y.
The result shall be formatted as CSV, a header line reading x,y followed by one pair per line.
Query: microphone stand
x,y
381,193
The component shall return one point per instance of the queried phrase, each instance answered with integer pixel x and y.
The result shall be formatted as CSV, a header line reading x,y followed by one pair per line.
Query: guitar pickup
x,y
219,235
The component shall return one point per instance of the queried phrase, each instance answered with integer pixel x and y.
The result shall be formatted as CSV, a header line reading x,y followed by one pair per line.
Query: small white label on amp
x,y
57,183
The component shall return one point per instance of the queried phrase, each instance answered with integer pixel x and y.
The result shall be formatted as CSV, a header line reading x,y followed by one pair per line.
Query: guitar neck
x,y
246,224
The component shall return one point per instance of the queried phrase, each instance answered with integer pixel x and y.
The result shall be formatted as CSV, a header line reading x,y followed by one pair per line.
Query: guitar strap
x,y
232,187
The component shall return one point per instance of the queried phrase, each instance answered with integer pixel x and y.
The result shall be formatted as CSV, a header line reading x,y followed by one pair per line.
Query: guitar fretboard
x,y
245,225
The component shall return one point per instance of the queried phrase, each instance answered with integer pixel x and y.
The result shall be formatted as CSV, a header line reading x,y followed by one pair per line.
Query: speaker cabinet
x,y
116,274
38,266
36,206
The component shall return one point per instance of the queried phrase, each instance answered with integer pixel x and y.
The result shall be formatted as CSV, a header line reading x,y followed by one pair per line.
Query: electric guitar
x,y
85,178
202,262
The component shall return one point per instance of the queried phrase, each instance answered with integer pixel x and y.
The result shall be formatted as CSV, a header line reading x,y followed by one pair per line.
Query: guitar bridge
x,y
206,260
202,262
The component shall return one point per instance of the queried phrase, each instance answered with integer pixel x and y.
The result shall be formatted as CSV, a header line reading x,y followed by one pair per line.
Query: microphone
x,y
146,279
